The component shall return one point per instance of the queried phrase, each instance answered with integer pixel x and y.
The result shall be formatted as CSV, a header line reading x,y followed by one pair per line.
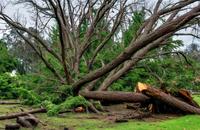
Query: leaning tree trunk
x,y
114,96
130,64
167,98
165,29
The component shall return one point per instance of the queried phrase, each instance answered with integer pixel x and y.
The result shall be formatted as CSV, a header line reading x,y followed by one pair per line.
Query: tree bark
x,y
167,98
114,96
104,85
9,102
129,65
28,121
12,127
23,122
15,115
183,93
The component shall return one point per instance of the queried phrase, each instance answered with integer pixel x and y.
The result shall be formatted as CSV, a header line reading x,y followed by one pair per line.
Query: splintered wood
x,y
141,86
151,98
162,102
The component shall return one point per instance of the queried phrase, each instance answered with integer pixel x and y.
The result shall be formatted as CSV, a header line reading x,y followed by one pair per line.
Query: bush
x,y
69,103
8,86
28,97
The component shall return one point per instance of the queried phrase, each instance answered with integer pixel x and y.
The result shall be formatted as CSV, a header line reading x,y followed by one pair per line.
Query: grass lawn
x,y
84,122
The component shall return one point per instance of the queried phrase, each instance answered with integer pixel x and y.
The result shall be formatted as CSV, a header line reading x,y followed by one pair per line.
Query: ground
x,y
76,121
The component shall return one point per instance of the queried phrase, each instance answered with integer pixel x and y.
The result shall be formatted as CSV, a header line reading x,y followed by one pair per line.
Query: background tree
x,y
8,63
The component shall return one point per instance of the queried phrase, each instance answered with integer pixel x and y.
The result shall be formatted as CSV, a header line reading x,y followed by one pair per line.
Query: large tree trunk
x,y
167,98
114,96
104,85
165,29
129,65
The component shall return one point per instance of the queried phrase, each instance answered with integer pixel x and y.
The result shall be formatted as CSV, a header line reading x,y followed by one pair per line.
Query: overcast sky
x,y
11,11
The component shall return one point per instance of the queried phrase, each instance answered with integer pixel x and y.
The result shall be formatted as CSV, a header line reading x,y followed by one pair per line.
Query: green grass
x,y
82,122
190,122
197,98
182,123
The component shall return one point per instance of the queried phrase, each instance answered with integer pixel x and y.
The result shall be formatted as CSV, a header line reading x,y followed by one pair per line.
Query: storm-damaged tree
x,y
91,29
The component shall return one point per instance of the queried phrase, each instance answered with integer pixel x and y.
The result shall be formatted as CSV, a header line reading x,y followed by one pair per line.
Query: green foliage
x,y
55,35
7,61
46,89
137,20
13,88
172,45
8,86
129,81
52,109
28,97
69,103
174,72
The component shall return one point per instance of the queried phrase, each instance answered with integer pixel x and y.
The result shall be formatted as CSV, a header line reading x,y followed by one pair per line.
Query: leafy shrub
x,y
7,61
69,103
28,97
8,87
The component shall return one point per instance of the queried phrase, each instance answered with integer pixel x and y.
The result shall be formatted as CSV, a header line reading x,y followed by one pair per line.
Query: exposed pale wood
x,y
141,86
170,100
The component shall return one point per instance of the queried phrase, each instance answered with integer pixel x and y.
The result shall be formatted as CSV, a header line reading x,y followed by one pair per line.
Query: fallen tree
x,y
115,96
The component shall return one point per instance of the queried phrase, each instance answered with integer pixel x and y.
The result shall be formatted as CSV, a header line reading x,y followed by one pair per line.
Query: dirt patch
x,y
120,113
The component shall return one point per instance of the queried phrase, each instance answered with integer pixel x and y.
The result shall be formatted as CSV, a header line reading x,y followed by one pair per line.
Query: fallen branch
x,y
8,103
15,115
137,115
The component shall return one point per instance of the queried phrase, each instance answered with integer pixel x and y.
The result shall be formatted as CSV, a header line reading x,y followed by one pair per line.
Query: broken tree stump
x,y
187,97
28,121
33,120
12,127
157,94
23,122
